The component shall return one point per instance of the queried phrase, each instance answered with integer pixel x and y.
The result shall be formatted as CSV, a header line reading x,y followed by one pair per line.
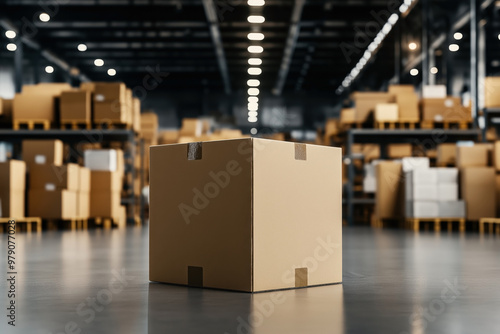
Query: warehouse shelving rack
x,y
491,118
383,138
85,137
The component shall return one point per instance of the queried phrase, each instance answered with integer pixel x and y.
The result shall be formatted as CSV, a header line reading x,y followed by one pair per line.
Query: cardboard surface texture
x,y
473,156
55,177
42,152
57,204
220,217
366,102
446,154
478,189
105,204
37,102
75,106
390,190
105,181
12,188
492,92
386,112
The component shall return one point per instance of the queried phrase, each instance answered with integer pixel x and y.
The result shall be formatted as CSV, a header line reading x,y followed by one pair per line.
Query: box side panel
x,y
200,214
297,215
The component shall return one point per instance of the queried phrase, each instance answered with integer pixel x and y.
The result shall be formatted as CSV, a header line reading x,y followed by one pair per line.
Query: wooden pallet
x,y
462,125
72,223
414,223
112,126
494,225
26,220
31,124
76,125
105,222
411,125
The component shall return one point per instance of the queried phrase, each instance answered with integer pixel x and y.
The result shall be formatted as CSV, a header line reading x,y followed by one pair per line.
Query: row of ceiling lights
x,y
254,62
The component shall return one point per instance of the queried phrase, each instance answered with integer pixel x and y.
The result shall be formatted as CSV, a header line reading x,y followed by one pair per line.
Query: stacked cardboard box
x,y
492,92
75,106
446,154
111,104
386,112
12,188
366,103
407,101
347,117
168,137
389,190
399,151
444,109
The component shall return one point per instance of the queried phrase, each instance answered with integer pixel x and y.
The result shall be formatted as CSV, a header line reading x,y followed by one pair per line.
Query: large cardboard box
x,y
105,204
105,181
408,107
492,92
472,156
398,151
6,114
88,86
369,151
85,179
401,89
43,152
168,137
110,93
496,156
446,109
12,188
366,102
390,190
57,204
246,214
113,112
478,189
75,106
191,127
37,102
386,112
347,116
83,204
446,154
51,177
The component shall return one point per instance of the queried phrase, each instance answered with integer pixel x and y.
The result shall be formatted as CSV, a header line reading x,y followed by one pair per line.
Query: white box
x,y
418,192
387,112
412,163
101,160
448,192
423,176
369,185
447,175
369,170
422,209
452,209
434,92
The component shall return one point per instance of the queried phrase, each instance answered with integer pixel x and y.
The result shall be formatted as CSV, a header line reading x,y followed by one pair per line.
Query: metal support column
x,y
474,55
18,65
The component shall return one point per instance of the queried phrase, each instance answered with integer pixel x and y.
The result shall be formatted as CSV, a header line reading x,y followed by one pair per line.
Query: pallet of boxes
x,y
441,110
149,134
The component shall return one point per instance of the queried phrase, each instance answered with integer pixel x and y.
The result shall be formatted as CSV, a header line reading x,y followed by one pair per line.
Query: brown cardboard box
x,y
408,107
478,189
37,102
492,92
168,137
496,156
122,219
85,179
110,93
105,204
366,102
105,181
449,109
50,177
43,152
136,114
473,156
446,154
75,106
497,183
401,89
110,112
386,112
229,134
331,129
246,235
191,127
370,151
347,116
149,120
398,151
88,86
83,204
129,103
57,204
12,188
390,190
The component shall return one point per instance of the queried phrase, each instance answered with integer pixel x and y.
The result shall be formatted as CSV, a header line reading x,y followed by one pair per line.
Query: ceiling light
x,y
454,47
11,47
253,131
111,72
253,106
44,17
414,72
253,114
254,71
434,70
498,36
98,62
255,49
253,91
253,99
256,2
49,69
458,36
253,83
393,19
82,47
10,34
252,119
403,8
255,61
412,46
256,19
255,36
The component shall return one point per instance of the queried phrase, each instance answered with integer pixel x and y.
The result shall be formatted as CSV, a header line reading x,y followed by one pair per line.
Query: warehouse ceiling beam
x,y
293,34
211,14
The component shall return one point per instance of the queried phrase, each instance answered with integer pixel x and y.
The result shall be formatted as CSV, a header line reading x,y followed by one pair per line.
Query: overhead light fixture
x,y
11,47
10,34
111,72
255,36
82,47
256,2
253,106
253,114
414,72
255,61
256,19
252,119
458,36
393,19
44,17
253,83
254,71
49,69
412,46
498,36
255,49
454,47
253,99
253,131
253,91
434,70
99,62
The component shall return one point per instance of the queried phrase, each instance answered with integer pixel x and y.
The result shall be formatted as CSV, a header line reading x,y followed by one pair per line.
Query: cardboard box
x,y
42,152
101,160
422,176
414,163
347,116
472,156
332,128
51,177
408,107
110,112
390,190
497,183
447,192
366,102
422,209
496,156
386,112
105,181
37,102
215,221
446,154
434,92
75,106
168,137
85,179
478,189
149,120
191,127
492,92
110,93
419,192
136,114
446,109
12,188
57,204
401,89
452,209
398,151
83,204
370,151
88,86
105,204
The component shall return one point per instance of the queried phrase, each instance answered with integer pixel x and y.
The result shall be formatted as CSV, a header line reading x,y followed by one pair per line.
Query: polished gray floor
x,y
394,282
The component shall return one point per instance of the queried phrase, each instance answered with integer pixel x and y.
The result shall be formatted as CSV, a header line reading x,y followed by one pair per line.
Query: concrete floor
x,y
394,282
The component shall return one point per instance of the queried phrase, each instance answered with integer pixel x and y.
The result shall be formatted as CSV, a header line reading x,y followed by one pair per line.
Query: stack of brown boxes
x,y
111,104
492,92
12,188
366,103
407,101
168,137
446,155
444,109
75,107
149,132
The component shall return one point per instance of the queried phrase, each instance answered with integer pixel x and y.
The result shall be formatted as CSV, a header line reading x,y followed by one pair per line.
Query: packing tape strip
x,y
300,151
194,151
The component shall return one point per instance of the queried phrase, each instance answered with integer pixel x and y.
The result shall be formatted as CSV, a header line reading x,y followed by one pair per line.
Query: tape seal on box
x,y
300,151
300,277
194,151
195,276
